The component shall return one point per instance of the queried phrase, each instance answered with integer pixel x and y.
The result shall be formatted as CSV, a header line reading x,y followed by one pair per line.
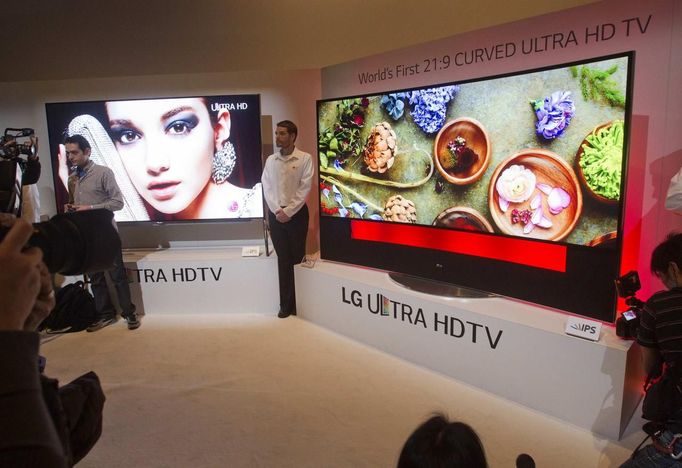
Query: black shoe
x,y
283,313
101,323
133,321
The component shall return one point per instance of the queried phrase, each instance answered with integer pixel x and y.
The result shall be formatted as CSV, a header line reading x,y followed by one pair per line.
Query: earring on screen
x,y
223,163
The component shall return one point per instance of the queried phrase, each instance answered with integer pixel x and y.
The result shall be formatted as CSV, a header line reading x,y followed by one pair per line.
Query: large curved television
x,y
174,159
512,184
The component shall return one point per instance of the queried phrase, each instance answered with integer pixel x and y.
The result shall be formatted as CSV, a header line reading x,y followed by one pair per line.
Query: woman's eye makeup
x,y
182,125
125,136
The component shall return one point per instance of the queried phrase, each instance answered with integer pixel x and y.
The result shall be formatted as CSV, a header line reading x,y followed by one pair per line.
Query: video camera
x,y
12,148
628,322
15,171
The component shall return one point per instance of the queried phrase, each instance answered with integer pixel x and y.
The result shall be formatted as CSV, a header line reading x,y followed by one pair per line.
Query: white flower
x,y
516,184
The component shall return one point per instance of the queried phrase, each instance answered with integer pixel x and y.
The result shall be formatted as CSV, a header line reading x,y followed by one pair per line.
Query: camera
x,y
628,322
11,147
15,171
76,243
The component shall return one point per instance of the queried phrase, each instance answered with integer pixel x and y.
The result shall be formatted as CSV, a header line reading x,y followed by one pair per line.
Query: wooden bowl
x,y
463,218
477,139
549,169
579,171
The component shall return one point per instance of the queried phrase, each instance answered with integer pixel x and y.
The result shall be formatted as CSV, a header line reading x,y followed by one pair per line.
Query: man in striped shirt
x,y
660,330
660,336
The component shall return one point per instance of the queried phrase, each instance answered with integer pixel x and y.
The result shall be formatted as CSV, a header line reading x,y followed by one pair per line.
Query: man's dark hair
x,y
80,140
443,444
290,126
670,250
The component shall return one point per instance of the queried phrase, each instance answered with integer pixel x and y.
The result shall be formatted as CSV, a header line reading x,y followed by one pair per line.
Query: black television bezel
x,y
596,287
55,176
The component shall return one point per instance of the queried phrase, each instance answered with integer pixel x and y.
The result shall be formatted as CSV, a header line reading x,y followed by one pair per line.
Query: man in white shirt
x,y
287,179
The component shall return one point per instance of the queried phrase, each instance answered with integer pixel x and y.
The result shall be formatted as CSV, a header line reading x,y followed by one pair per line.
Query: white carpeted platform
x,y
247,390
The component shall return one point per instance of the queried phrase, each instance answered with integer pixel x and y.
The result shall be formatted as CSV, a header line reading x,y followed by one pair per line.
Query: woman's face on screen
x,y
166,147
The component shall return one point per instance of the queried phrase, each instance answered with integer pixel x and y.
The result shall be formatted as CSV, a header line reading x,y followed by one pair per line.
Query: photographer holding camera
x,y
43,424
660,337
28,436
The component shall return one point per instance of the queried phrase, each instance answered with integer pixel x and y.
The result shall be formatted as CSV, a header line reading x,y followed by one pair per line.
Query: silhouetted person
x,y
438,443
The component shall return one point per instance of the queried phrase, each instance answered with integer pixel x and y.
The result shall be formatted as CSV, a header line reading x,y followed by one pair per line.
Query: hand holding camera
x,y
25,285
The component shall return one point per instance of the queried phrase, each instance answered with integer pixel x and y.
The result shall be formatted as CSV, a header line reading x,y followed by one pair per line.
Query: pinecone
x,y
400,209
380,148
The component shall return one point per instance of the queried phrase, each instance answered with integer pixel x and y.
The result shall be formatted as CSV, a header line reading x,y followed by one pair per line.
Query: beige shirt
x,y
97,188
287,181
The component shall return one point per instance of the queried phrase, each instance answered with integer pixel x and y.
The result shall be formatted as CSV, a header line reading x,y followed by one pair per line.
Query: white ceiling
x,y
60,39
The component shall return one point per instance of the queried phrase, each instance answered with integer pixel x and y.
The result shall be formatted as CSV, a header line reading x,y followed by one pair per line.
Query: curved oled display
x,y
511,184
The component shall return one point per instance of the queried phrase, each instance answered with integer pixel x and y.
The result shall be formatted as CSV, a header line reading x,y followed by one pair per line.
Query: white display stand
x,y
516,350
180,281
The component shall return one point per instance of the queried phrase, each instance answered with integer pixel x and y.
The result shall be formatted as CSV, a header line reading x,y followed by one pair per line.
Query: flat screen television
x,y
174,159
512,184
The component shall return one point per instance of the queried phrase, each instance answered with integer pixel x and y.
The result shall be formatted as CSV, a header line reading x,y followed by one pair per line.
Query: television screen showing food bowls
x,y
537,155
173,159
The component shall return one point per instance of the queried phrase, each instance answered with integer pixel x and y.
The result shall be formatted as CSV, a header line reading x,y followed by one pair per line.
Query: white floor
x,y
248,390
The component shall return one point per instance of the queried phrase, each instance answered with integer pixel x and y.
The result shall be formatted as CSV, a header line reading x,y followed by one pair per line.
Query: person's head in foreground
x,y
439,443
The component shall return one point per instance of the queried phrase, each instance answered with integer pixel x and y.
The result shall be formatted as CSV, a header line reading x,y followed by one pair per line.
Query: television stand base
x,y
436,288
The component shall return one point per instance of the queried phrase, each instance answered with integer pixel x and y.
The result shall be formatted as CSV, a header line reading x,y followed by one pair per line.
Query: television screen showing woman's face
x,y
173,159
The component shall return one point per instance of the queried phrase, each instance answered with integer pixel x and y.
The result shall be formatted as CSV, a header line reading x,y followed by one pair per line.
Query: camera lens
x,y
78,242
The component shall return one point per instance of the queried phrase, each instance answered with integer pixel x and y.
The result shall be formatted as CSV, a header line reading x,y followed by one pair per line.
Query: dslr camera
x,y
76,243
628,322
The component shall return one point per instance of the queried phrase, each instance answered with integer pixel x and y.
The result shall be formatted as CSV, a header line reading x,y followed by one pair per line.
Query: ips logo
x,y
584,327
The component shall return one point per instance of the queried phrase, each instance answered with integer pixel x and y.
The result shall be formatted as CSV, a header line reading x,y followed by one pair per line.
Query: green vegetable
x,y
342,139
595,83
602,160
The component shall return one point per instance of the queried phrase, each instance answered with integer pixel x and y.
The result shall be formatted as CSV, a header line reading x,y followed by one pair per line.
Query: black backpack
x,y
74,310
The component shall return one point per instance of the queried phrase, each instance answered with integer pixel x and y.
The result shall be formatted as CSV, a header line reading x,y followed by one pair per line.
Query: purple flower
x,y
429,106
554,113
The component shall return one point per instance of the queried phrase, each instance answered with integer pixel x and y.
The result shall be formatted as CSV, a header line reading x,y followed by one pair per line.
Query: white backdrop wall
x,y
284,95
652,29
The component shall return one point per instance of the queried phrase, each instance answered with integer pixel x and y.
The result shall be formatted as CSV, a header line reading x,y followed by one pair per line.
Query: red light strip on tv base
x,y
524,252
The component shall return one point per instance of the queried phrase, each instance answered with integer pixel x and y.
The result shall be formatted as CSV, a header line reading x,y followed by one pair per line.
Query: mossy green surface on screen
x,y
602,160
